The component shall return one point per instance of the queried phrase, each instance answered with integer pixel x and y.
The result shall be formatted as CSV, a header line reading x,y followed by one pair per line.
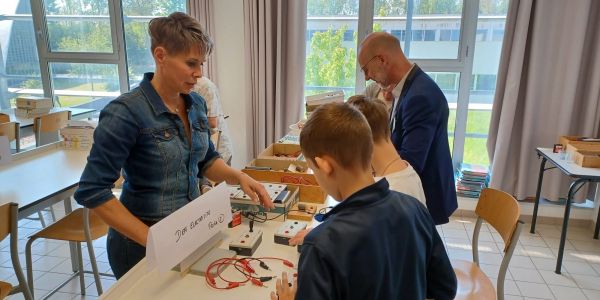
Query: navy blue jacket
x,y
377,244
421,137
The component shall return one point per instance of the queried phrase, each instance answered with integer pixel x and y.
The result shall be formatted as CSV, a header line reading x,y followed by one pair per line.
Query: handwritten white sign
x,y
4,150
177,236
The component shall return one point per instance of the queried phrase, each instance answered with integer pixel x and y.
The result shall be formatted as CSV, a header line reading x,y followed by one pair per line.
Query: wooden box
x,y
308,193
297,214
268,164
281,176
574,147
567,139
282,152
587,159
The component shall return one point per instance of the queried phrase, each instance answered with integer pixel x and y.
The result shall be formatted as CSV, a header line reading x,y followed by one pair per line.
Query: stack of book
x,y
30,107
471,179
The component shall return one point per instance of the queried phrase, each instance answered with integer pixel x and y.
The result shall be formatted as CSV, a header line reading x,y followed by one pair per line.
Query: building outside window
x,y
457,43
86,53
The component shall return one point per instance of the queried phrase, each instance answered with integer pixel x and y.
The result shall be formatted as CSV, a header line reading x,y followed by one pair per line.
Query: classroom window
x,y
432,34
80,55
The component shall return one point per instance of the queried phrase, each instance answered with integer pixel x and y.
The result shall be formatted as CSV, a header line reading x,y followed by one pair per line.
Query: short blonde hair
x,y
341,132
178,33
376,113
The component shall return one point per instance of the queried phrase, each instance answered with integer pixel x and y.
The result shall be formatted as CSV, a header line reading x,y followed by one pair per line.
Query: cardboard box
x,y
282,151
78,135
33,102
30,113
587,159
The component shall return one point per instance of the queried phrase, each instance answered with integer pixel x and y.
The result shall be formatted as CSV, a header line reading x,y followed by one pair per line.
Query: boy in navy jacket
x,y
376,243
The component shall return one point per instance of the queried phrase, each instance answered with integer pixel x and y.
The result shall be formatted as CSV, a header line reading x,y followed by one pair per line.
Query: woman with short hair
x,y
158,134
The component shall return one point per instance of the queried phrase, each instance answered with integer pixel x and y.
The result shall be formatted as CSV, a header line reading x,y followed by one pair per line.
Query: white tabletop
x,y
141,283
36,175
24,122
568,166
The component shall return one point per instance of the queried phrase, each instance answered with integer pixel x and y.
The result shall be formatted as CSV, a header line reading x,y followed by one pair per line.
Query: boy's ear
x,y
324,164
160,54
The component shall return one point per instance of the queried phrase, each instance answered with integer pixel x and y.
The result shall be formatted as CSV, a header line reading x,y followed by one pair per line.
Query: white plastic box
x,y
78,135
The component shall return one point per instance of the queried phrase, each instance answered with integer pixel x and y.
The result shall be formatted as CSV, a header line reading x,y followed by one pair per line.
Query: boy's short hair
x,y
341,132
376,113
178,33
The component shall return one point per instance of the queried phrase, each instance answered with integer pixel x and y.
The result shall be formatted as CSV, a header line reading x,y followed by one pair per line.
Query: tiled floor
x,y
531,272
52,264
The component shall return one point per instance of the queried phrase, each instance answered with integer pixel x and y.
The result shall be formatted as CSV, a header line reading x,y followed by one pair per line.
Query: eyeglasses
x,y
363,68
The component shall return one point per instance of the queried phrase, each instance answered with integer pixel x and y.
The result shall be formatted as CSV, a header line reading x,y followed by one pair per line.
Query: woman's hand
x,y
255,190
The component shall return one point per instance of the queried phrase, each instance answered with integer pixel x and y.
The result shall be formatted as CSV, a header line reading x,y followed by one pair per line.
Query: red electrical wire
x,y
243,266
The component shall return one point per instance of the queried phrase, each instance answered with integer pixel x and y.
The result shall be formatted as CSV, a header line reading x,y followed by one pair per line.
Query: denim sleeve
x,y
211,156
114,137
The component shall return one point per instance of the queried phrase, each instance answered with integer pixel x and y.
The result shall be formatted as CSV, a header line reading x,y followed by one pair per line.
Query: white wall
x,y
229,45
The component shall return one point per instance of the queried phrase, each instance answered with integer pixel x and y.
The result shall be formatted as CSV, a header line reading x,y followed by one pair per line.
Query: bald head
x,y
378,43
381,59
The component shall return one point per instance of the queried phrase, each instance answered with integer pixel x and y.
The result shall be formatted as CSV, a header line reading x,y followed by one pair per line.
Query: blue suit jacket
x,y
420,135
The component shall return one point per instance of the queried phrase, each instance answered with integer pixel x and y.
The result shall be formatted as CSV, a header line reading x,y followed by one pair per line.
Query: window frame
x,y
463,64
117,57
47,56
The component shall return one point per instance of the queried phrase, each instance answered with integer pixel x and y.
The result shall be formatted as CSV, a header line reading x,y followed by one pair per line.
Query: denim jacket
x,y
138,134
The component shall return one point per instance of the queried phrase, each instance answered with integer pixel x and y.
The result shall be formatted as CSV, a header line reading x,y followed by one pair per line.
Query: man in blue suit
x,y
418,119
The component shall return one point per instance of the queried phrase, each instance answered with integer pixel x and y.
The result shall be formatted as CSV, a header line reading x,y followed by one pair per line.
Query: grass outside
x,y
478,122
67,101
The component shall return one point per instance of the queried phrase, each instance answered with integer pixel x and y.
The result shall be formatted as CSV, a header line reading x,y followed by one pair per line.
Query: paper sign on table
x,y
174,238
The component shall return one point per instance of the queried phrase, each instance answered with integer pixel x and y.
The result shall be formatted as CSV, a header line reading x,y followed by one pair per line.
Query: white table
x,y
141,283
580,176
40,177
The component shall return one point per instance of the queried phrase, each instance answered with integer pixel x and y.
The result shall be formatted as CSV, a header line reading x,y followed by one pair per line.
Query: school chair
x,y
8,226
4,118
46,127
12,132
79,226
501,211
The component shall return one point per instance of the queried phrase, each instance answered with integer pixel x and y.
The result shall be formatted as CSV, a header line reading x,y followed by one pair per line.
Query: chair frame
x,y
80,271
510,235
508,253
23,286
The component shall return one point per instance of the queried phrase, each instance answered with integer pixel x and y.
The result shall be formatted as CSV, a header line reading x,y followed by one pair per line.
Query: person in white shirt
x,y
386,162
216,119
373,90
